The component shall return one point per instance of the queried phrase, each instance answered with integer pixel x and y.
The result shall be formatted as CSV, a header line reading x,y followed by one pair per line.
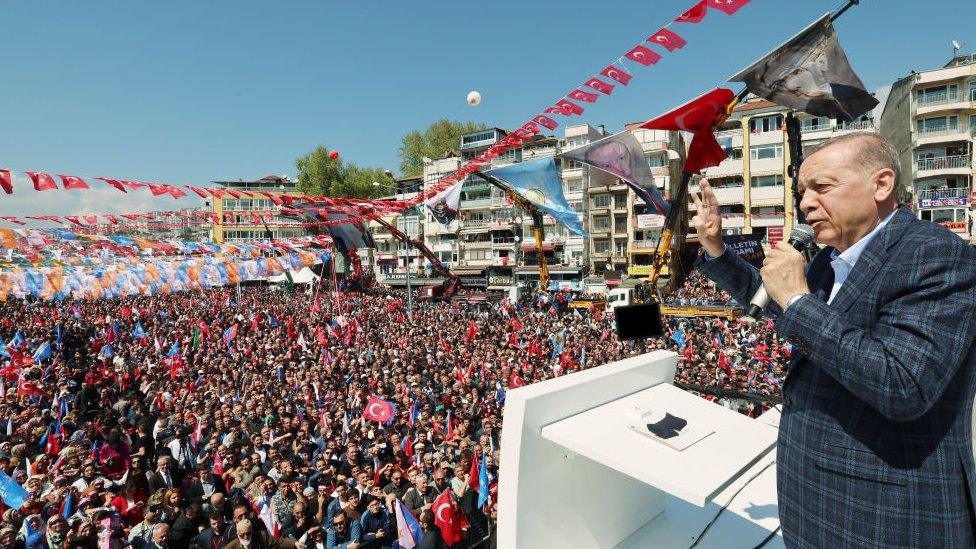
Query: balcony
x,y
961,162
941,134
474,204
942,101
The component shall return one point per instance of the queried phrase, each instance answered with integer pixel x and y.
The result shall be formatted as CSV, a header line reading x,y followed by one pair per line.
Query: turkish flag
x,y
217,193
563,107
6,182
473,480
728,6
514,381
616,73
643,55
697,116
449,518
378,410
158,190
198,191
72,182
174,191
74,219
42,181
112,219
91,219
600,86
583,96
12,219
113,182
695,14
541,120
472,332
273,198
668,39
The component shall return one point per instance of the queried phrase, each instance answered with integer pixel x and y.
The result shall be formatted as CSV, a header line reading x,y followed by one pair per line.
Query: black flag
x,y
810,73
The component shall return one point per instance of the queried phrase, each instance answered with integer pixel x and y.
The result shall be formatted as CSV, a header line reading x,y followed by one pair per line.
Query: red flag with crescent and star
x,y
378,410
449,518
698,116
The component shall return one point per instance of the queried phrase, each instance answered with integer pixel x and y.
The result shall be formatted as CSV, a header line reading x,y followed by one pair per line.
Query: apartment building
x,y
930,117
243,199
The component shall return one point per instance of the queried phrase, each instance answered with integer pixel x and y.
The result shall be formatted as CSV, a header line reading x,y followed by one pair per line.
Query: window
x,y
412,225
601,246
620,225
574,185
815,124
944,215
230,204
732,209
939,124
245,204
620,247
725,182
763,152
601,201
766,124
736,153
572,164
477,137
601,223
576,205
620,200
972,94
938,94
768,211
476,254
766,181
657,159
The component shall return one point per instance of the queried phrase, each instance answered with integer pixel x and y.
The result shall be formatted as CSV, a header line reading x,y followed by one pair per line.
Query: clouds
x,y
100,199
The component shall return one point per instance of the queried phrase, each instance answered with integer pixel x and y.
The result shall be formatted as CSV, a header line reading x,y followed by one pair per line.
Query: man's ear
x,y
884,182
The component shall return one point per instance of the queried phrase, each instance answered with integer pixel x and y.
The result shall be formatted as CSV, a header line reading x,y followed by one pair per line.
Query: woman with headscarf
x,y
32,533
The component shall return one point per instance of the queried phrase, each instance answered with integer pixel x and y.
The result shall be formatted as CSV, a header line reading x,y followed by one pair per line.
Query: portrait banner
x,y
622,156
810,73
443,207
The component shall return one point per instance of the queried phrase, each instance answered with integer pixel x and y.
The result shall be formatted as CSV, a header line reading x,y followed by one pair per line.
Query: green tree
x,y
317,172
434,142
319,175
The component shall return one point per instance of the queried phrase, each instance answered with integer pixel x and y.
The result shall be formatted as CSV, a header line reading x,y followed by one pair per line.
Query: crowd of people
x,y
239,416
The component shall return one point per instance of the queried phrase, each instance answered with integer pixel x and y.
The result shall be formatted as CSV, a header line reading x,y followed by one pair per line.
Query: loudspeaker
x,y
639,321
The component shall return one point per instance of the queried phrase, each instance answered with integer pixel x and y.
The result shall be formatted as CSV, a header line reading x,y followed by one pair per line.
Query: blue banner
x,y
538,182
13,494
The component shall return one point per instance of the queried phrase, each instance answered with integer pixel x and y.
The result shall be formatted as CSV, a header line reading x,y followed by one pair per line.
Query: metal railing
x,y
940,98
953,192
943,162
941,130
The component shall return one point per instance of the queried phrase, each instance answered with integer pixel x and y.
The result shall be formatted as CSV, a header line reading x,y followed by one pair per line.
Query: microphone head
x,y
802,234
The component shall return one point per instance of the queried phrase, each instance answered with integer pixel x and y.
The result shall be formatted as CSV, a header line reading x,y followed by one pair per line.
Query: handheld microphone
x,y
801,236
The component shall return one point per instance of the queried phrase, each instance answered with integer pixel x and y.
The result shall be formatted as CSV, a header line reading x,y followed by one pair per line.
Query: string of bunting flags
x,y
620,72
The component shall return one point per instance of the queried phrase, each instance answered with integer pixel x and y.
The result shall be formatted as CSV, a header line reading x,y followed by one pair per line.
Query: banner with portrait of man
x,y
443,206
810,73
622,156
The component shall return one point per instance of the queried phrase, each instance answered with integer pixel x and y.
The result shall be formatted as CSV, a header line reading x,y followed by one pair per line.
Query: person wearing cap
x,y
375,524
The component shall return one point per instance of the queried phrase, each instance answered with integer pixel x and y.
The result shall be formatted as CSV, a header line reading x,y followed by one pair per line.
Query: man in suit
x,y
162,476
218,535
875,441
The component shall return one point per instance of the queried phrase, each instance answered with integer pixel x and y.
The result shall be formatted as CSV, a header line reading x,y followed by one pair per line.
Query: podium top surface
x,y
695,474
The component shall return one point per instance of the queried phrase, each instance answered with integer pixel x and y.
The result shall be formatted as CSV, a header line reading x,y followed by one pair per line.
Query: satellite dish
x,y
956,45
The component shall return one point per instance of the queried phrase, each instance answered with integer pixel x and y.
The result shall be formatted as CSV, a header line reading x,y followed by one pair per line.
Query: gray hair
x,y
872,152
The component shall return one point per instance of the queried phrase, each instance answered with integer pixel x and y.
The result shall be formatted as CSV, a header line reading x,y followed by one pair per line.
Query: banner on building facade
x,y
443,207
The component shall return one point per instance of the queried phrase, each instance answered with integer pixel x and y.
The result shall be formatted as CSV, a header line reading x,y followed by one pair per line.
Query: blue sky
x,y
189,92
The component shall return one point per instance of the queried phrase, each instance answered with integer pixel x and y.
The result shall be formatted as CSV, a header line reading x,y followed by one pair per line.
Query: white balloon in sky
x,y
474,98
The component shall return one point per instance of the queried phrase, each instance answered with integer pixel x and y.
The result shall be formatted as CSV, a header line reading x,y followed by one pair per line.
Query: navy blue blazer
x,y
876,438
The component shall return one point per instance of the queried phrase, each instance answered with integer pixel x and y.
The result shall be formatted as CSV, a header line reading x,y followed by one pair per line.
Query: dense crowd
x,y
235,417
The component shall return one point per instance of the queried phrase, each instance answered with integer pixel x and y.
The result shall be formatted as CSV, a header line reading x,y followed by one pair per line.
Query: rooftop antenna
x,y
956,46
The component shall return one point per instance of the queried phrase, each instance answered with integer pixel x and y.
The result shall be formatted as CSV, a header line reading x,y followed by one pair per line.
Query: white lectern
x,y
575,473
